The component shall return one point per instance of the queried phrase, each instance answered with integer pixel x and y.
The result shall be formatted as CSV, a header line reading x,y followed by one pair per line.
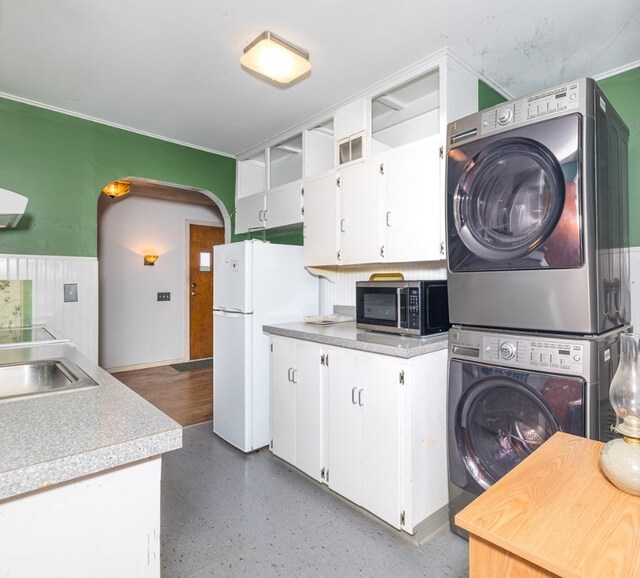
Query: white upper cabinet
x,y
285,162
373,174
252,175
250,213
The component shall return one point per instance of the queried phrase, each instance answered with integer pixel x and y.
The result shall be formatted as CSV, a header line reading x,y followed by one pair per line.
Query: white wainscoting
x,y
77,321
343,291
634,270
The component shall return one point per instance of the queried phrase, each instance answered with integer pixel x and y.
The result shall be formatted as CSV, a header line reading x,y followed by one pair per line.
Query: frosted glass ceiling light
x,y
276,59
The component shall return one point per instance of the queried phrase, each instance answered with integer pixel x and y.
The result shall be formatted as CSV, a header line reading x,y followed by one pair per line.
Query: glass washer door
x,y
509,199
514,199
499,422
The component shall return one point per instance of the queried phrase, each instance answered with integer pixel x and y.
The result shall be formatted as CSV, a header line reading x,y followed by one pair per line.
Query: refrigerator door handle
x,y
231,310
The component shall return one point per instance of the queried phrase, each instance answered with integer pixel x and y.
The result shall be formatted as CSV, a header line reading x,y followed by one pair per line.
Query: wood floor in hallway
x,y
185,396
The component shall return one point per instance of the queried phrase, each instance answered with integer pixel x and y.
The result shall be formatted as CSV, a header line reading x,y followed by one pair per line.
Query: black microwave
x,y
404,307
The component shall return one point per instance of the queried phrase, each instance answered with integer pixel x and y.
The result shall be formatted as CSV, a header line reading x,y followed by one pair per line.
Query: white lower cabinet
x,y
296,405
370,426
363,410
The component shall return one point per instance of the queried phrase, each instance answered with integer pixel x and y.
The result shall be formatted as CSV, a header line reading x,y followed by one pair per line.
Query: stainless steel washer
x,y
509,392
537,218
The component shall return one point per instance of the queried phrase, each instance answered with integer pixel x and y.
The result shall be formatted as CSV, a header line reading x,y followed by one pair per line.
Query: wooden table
x,y
555,514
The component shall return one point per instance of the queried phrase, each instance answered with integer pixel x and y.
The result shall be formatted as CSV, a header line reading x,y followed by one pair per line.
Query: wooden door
x,y
201,242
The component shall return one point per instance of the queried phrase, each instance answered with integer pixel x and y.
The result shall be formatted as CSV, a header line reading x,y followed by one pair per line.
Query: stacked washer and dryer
x,y
538,273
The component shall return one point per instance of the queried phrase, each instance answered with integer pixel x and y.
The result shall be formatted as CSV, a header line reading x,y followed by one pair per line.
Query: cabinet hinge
x,y
271,444
326,359
402,518
441,152
338,182
302,191
339,255
402,377
442,248
322,359
302,211
382,168
327,475
271,347
322,474
382,251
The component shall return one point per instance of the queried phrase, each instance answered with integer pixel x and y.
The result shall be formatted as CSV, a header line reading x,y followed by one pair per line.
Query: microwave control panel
x,y
413,308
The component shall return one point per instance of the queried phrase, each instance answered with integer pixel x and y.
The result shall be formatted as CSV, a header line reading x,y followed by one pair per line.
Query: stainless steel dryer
x,y
509,392
537,219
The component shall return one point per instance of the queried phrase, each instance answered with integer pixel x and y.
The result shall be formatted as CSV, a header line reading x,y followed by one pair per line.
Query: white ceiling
x,y
171,67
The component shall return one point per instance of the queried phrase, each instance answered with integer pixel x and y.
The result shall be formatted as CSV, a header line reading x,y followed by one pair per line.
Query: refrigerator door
x,y
232,403
232,274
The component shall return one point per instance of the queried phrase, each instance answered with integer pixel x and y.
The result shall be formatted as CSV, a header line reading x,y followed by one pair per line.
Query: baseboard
x,y
122,368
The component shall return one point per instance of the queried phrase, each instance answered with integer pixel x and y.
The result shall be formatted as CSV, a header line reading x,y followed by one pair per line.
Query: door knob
x,y
194,293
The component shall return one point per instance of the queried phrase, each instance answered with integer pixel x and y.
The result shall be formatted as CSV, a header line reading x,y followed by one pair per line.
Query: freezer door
x,y
232,277
232,354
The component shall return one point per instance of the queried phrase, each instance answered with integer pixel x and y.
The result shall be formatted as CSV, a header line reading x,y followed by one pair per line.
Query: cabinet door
x,y
344,424
414,203
360,222
309,428
380,401
283,400
250,213
321,215
283,206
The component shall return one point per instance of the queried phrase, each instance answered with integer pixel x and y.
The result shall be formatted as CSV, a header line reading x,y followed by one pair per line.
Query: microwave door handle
x,y
399,291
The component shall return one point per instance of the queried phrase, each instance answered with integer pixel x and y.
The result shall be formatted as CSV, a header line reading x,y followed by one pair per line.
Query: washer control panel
x,y
548,103
542,353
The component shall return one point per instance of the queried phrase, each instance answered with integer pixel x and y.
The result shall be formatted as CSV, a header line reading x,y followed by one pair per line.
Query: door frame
x,y
186,272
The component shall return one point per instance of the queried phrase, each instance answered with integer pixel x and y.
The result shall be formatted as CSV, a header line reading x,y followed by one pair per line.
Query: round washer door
x,y
499,422
509,199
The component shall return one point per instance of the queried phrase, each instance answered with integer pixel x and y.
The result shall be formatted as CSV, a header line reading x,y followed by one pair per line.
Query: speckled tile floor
x,y
233,515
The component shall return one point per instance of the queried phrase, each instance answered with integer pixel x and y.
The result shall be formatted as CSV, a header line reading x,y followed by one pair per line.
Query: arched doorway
x,y
144,311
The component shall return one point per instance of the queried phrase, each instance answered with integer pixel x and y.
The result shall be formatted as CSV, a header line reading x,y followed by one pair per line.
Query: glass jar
x,y
620,458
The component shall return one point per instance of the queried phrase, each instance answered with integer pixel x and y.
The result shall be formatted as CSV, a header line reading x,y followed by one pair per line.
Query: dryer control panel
x,y
543,352
548,103
532,353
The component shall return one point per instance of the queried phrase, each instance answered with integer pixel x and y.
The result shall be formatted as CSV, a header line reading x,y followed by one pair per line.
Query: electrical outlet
x,y
70,292
164,296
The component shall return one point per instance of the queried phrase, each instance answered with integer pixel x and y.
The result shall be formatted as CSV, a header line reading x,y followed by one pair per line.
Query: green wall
x,y
61,163
623,90
487,96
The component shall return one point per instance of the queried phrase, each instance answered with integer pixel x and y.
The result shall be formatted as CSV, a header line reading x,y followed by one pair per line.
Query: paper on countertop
x,y
327,319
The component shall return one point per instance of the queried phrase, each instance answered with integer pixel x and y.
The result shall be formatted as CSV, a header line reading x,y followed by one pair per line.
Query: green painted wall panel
x,y
623,90
487,96
61,163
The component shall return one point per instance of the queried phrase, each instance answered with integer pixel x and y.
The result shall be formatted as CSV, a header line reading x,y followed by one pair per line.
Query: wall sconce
x,y
275,58
150,260
117,189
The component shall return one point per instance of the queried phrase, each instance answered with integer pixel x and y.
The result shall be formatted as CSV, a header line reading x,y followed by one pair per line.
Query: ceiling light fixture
x,y
275,58
117,189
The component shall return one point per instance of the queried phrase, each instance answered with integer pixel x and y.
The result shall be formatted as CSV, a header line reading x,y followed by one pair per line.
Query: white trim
x,y
122,368
111,124
421,66
50,257
618,70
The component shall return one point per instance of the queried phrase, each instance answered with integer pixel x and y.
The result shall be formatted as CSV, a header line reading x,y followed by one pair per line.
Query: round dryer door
x,y
499,422
513,199
509,199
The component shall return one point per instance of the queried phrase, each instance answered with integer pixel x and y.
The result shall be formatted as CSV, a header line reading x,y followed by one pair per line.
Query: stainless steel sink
x,y
41,376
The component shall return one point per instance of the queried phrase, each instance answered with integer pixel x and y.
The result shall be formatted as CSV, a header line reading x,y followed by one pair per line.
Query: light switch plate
x,y
70,292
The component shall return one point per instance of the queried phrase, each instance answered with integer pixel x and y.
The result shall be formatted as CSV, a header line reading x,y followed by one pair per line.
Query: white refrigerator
x,y
254,284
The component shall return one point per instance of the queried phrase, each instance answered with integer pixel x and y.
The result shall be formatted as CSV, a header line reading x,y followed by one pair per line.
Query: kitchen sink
x,y
40,377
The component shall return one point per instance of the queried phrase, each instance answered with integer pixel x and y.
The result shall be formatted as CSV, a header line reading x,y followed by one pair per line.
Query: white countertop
x,y
56,437
346,335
